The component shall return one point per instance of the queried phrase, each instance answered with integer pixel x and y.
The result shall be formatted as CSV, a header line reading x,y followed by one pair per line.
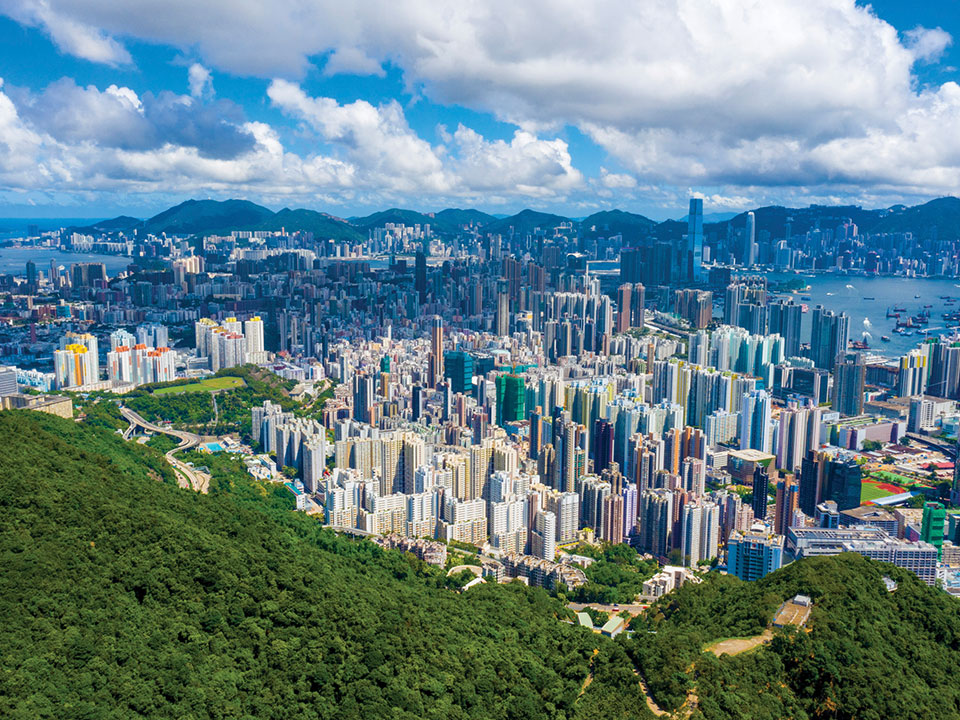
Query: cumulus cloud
x,y
527,164
72,36
742,98
928,45
377,138
118,117
82,140
200,80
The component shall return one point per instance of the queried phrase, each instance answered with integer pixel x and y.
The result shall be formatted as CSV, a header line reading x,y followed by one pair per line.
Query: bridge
x,y
187,477
947,447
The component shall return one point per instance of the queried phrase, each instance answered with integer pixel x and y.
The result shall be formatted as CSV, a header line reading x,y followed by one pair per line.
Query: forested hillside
x,y
123,596
866,653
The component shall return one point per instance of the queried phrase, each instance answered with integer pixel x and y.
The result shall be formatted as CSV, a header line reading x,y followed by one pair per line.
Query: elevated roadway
x,y
187,477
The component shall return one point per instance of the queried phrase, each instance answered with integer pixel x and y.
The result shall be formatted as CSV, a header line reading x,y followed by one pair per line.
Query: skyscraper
x,y
755,428
785,318
912,378
436,351
829,335
761,491
931,527
624,307
420,275
700,527
695,239
749,240
788,494
503,308
637,300
458,368
755,553
849,379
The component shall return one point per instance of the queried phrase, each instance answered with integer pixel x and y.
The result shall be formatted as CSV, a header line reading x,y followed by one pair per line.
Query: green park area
x,y
208,385
870,491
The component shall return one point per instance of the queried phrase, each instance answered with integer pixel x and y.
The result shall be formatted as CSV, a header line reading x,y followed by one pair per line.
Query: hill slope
x,y
127,597
869,653
320,224
938,218
525,222
610,222
208,216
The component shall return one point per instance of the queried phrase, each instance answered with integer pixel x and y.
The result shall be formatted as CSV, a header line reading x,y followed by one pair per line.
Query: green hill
x,y
208,216
611,222
455,217
123,596
322,226
398,216
525,222
122,223
869,653
938,218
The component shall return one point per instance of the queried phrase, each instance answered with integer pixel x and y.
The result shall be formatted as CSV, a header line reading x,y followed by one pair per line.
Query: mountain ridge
x,y
939,218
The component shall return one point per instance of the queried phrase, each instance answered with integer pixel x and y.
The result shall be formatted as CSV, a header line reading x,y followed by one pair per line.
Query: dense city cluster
x,y
521,390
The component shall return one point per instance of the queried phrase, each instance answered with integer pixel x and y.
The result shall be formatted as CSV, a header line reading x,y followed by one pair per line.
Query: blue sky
x,y
110,108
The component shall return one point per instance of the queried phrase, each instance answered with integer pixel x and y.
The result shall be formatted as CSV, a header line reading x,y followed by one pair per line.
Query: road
x,y
187,477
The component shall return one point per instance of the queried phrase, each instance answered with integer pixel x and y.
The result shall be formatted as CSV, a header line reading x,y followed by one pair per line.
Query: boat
x,y
869,298
897,308
885,338
807,298
860,345
916,297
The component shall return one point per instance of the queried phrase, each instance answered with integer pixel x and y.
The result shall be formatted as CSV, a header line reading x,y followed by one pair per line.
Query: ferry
x,y
860,345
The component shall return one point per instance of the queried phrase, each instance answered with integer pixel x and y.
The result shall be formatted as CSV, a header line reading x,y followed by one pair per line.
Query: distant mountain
x,y
526,221
208,216
458,218
123,223
394,215
711,217
320,224
774,218
938,218
612,222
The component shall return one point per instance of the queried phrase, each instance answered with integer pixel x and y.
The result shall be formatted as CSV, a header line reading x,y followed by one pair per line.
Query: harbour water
x,y
13,260
867,299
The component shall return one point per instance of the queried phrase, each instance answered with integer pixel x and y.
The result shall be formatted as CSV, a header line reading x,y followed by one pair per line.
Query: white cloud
x,y
526,164
70,35
200,80
928,45
81,141
378,139
746,98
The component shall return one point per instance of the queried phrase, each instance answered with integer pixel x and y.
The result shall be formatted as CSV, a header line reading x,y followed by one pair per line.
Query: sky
x,y
129,107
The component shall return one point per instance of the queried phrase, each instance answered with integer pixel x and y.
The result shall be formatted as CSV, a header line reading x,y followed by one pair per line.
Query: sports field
x,y
874,490
208,385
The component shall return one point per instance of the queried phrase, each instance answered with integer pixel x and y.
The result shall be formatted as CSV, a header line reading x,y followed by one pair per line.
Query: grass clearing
x,y
872,491
207,385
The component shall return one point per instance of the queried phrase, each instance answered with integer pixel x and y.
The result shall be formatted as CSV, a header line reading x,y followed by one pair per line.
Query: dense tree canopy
x,y
866,653
125,596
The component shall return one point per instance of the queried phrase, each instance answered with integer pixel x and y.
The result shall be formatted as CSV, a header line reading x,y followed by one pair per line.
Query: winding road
x,y
187,477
